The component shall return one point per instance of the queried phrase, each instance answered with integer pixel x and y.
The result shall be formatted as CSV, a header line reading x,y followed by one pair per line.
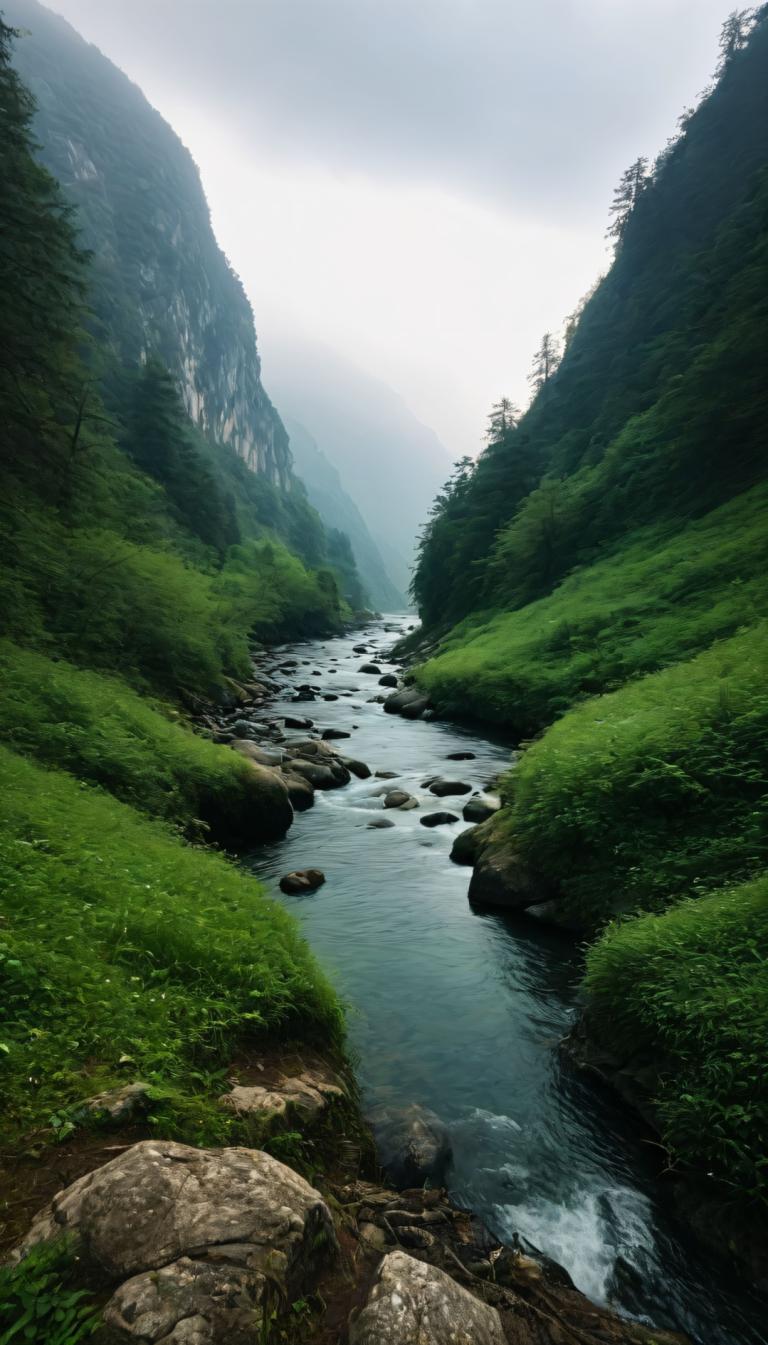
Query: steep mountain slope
x,y
602,571
159,281
327,494
390,464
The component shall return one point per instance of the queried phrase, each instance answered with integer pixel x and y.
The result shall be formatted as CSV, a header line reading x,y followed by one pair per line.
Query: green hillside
x,y
140,556
599,578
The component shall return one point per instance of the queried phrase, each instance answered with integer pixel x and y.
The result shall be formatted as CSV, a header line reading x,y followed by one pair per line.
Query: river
x,y
462,1011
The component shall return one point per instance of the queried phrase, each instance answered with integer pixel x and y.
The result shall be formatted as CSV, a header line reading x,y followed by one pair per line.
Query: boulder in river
x,y
380,823
502,878
193,1241
263,756
412,1301
300,790
372,668
294,722
330,696
409,702
302,880
438,819
388,680
330,734
376,700
360,649
465,847
413,1145
357,768
442,788
480,808
399,798
461,756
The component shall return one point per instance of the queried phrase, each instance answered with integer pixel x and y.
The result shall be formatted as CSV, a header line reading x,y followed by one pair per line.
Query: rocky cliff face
x,y
161,284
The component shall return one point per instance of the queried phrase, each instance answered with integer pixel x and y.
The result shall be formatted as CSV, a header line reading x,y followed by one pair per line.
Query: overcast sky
x,y
421,184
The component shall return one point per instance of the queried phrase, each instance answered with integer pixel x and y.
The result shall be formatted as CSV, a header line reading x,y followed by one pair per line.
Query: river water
x,y
462,1011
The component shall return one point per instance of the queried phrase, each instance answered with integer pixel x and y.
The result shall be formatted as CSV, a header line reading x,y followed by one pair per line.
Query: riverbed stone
x,y
300,791
302,880
438,819
330,734
409,702
413,1303
380,823
461,756
480,807
372,669
443,788
388,680
413,1145
357,768
465,846
502,878
399,798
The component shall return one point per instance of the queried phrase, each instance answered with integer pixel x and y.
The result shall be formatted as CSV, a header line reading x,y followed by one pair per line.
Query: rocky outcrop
x,y
413,1301
481,807
194,1240
410,702
501,877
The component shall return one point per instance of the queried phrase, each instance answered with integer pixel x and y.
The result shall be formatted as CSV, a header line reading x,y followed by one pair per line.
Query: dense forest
x,y
596,581
140,556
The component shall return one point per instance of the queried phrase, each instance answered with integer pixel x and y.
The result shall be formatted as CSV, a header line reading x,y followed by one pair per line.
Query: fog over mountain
x,y
390,464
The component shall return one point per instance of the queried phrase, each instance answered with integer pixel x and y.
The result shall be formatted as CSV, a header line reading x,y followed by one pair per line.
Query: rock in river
x,y
415,1302
398,798
410,703
381,823
329,734
413,1145
388,680
302,880
372,668
480,808
442,788
438,819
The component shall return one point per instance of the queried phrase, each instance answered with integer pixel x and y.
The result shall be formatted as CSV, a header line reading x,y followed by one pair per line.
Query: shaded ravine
x,y
462,1011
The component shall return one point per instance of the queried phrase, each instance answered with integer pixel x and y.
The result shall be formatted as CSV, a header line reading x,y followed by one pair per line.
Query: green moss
x,y
659,599
641,796
691,987
126,953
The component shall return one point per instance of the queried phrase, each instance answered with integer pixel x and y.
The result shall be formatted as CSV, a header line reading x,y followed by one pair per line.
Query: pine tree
x,y
504,417
545,363
625,198
734,35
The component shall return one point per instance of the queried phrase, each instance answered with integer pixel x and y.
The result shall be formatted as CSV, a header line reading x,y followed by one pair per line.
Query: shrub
x,y
39,1303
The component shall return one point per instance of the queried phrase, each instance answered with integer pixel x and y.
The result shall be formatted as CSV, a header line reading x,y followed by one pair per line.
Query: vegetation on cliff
x,y
139,557
600,574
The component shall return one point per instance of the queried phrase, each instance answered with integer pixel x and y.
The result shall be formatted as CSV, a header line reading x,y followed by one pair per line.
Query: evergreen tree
x,y
734,35
631,187
504,416
545,363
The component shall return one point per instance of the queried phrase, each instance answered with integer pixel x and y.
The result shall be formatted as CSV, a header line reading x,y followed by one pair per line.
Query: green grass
x,y
658,600
95,726
690,987
125,953
647,794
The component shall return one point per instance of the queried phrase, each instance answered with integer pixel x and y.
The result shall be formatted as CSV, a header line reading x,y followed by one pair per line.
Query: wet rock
x,y
413,1145
480,808
263,756
465,847
357,768
300,791
381,823
161,1202
376,700
360,649
269,814
399,798
372,668
302,880
304,696
460,756
321,774
385,775
246,728
293,722
501,878
410,702
442,788
120,1106
438,819
388,680
331,734
330,696
415,1302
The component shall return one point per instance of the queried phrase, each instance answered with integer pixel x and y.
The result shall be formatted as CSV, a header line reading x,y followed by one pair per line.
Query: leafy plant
x,y
39,1304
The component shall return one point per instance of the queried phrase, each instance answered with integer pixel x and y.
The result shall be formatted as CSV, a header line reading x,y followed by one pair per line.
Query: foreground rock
x,y
438,819
413,1145
399,798
443,788
193,1238
302,880
412,1301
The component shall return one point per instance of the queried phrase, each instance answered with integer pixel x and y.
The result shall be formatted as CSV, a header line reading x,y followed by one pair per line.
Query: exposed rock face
x,y
465,847
415,1302
413,1145
239,1213
177,296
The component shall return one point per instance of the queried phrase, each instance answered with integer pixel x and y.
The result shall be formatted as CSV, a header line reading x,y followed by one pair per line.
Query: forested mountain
x,y
390,464
600,578
328,496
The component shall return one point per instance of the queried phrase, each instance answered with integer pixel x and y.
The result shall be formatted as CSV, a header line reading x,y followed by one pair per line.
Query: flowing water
x,y
462,1011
